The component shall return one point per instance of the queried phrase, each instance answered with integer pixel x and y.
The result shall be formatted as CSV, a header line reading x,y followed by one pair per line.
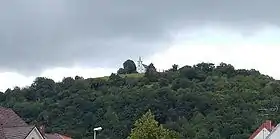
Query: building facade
x,y
263,131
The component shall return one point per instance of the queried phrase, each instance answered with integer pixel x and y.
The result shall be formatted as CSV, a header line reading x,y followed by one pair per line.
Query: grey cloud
x,y
37,34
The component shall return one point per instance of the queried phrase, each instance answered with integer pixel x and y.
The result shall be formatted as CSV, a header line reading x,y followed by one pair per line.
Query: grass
x,y
132,75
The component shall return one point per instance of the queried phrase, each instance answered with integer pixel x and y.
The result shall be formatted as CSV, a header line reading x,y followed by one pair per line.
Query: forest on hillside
x,y
203,101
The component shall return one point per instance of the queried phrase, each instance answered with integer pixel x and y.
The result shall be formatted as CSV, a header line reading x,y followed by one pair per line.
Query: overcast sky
x,y
58,38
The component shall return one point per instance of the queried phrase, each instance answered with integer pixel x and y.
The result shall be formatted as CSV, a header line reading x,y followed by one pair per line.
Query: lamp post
x,y
94,131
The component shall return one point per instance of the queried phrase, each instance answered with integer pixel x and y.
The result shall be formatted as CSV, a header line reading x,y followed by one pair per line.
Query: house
x,y
56,136
263,131
26,132
275,133
13,127
52,136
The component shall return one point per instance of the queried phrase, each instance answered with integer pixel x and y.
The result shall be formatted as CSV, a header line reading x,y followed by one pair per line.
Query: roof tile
x,y
266,125
17,132
52,136
8,118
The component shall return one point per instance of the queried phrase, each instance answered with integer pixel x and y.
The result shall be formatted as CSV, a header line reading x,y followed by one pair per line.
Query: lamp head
x,y
97,129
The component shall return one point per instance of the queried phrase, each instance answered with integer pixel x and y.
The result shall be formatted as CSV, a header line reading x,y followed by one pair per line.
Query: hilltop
x,y
204,101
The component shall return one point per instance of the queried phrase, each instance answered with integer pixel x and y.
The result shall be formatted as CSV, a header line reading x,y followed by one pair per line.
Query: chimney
x,y
42,130
268,125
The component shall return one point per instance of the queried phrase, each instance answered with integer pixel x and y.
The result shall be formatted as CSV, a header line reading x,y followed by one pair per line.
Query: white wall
x,y
263,134
34,134
275,134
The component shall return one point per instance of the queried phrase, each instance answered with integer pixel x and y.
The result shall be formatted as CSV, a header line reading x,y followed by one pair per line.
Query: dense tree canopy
x,y
148,128
128,67
203,101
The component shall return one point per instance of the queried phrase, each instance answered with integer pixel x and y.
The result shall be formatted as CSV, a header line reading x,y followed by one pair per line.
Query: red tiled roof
x,y
13,127
16,132
267,125
56,136
52,136
64,137
8,118
2,134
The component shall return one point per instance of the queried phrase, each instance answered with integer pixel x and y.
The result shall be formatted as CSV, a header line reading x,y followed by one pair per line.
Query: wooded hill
x,y
203,101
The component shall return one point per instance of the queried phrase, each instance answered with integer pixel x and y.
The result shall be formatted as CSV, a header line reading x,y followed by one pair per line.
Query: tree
x,y
129,67
121,71
203,101
174,67
226,69
148,128
151,73
205,67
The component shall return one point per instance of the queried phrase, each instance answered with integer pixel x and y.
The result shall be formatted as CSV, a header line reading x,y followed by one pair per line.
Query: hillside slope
x,y
200,102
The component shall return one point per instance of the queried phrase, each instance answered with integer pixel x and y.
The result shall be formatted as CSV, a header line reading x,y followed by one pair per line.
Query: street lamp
x,y
94,131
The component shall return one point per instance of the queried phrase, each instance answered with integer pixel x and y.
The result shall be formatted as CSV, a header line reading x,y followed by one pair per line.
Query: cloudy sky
x,y
58,38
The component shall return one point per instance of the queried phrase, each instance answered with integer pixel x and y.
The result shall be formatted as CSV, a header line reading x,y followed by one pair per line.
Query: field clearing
x,y
132,75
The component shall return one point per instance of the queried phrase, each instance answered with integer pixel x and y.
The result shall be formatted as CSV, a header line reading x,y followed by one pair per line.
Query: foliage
x,y
151,73
147,128
128,67
121,71
174,67
203,101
